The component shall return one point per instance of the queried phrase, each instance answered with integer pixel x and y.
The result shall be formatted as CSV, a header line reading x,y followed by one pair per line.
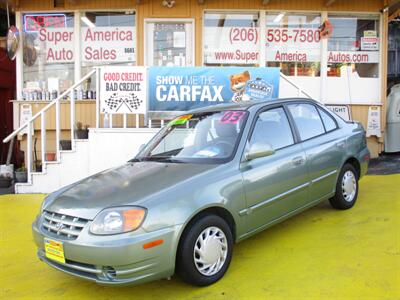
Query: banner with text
x,y
123,89
181,89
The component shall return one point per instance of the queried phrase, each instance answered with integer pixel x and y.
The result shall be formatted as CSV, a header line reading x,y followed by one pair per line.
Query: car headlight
x,y
118,220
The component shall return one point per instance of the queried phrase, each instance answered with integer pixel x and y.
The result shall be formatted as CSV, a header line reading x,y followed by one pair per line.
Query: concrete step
x,y
73,166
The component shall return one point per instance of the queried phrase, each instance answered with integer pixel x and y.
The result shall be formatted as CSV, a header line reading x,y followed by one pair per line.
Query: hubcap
x,y
210,251
349,186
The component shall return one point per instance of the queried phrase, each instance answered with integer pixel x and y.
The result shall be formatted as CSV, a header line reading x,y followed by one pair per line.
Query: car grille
x,y
62,225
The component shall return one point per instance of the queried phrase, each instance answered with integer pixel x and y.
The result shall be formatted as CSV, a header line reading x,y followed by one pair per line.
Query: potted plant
x,y
65,145
81,132
21,174
5,181
50,156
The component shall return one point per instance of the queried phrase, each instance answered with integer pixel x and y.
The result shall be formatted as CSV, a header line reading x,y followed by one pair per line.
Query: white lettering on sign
x,y
293,44
353,57
231,45
189,93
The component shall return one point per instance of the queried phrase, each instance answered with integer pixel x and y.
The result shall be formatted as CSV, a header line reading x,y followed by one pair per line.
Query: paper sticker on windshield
x,y
180,120
232,116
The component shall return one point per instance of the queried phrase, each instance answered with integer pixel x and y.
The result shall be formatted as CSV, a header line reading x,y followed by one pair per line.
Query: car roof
x,y
246,105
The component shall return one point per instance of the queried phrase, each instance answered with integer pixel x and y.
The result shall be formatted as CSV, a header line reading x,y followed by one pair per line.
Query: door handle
x,y
340,144
299,160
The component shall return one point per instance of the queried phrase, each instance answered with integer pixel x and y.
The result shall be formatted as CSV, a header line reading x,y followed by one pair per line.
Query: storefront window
x,y
293,43
231,39
353,47
169,43
48,54
108,38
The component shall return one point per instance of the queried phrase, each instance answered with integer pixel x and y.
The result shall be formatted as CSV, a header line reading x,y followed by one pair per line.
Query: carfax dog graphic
x,y
244,88
238,86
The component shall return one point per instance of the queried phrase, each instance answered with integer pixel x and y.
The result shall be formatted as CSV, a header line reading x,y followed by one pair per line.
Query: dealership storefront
x,y
343,64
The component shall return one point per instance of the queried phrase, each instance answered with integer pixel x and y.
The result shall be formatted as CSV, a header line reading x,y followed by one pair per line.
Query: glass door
x,y
169,42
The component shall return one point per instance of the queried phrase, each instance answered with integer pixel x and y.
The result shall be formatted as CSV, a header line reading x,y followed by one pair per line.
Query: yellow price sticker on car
x,y
54,250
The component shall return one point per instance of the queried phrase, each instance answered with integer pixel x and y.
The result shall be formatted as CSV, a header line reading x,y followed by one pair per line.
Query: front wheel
x,y
346,188
205,251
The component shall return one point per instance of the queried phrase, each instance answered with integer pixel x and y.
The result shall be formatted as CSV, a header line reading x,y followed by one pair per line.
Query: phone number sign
x,y
293,44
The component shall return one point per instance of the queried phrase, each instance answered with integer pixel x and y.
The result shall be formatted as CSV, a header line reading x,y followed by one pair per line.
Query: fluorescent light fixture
x,y
278,18
88,22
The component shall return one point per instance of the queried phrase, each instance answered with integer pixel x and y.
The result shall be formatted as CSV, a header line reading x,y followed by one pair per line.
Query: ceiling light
x,y
87,22
278,18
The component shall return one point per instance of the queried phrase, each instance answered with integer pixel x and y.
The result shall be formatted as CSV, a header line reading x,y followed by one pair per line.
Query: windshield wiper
x,y
162,159
135,160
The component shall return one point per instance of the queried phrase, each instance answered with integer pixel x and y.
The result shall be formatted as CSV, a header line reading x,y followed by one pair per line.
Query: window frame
x,y
82,12
330,116
264,109
316,107
233,11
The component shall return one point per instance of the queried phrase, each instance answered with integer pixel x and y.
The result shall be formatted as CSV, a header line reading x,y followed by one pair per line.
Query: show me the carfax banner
x,y
184,88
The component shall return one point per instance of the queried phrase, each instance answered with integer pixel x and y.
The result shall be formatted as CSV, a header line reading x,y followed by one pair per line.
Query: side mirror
x,y
258,150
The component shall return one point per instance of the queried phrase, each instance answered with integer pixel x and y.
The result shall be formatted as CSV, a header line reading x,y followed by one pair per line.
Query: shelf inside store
x,y
48,101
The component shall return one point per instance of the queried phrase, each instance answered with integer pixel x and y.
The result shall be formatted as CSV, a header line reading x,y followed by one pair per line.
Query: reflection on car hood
x,y
124,185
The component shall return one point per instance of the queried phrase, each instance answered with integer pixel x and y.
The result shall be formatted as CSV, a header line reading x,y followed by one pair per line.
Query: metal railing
x,y
300,92
29,125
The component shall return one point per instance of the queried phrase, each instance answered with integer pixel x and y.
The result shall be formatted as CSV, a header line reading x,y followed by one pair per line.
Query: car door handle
x,y
299,160
340,144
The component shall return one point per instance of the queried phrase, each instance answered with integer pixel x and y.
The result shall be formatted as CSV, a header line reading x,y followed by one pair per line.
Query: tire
x,y
216,259
346,188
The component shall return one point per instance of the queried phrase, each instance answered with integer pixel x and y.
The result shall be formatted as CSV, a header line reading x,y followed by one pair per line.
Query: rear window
x,y
307,120
329,122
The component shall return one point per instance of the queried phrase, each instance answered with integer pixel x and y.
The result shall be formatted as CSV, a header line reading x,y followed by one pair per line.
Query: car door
x,y
277,184
323,145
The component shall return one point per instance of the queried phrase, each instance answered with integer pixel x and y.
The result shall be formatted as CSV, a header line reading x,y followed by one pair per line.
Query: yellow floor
x,y
319,254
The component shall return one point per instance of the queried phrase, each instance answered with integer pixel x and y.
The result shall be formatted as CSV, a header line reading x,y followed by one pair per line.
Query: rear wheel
x,y
346,188
205,251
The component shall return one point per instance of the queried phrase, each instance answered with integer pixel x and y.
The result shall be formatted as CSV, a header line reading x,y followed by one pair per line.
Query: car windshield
x,y
209,137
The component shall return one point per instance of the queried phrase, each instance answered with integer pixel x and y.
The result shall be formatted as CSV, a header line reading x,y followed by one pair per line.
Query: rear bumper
x,y
117,259
364,158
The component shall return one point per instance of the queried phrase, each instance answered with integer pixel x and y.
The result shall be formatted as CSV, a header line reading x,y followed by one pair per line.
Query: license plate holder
x,y
54,250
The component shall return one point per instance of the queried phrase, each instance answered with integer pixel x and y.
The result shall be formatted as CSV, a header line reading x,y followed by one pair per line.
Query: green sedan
x,y
209,179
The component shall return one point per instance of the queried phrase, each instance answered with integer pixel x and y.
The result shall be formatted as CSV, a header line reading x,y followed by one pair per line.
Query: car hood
x,y
129,184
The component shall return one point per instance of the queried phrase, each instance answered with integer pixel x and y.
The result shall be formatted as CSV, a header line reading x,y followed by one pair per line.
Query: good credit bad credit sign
x,y
123,90
181,89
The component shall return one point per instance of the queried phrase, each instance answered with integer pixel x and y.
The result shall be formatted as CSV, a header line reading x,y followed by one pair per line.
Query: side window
x,y
272,126
307,120
329,123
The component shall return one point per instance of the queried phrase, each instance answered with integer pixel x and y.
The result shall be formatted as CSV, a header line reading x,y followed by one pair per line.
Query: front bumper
x,y
114,259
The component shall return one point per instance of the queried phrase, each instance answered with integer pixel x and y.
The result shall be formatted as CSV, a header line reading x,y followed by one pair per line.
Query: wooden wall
x,y
192,9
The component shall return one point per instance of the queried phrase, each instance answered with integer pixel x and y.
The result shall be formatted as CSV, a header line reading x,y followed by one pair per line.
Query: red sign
x,y
35,22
